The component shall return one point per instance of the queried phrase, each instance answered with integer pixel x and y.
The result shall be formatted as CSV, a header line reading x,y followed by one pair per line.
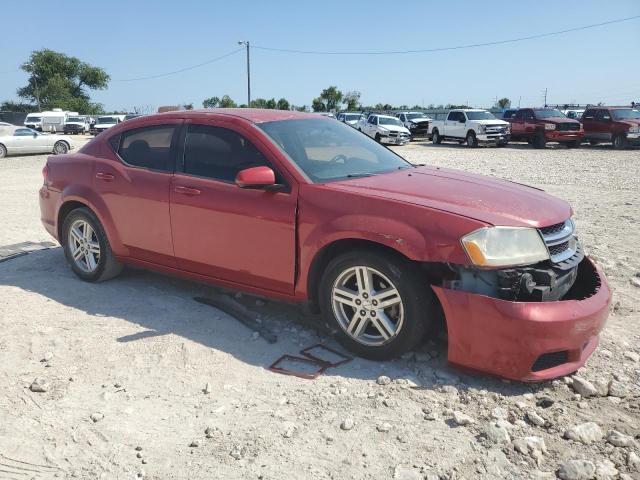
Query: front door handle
x,y
186,190
107,177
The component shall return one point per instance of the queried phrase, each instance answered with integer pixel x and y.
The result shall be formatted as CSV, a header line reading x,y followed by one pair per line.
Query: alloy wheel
x,y
60,148
84,246
367,305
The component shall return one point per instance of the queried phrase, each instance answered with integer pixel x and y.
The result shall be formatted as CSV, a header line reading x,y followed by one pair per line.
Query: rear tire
x,y
619,142
83,236
539,141
3,151
361,325
60,148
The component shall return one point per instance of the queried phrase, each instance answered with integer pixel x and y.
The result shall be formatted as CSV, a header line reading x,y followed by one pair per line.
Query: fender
x,y
85,195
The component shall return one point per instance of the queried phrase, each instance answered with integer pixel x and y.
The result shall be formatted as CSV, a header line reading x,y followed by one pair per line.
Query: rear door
x,y
517,124
244,236
528,123
588,124
135,188
602,125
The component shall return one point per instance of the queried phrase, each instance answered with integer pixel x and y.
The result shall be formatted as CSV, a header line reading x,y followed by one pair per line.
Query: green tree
x,y
58,80
331,97
188,106
283,104
11,106
227,102
504,103
271,104
352,100
300,108
258,103
318,105
211,102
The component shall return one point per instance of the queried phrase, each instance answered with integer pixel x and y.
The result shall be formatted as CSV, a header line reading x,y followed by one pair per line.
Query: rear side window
x,y
219,153
588,115
148,147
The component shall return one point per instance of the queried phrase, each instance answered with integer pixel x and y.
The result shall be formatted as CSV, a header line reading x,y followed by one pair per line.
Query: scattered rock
x,y
606,470
47,357
238,452
618,389
531,446
139,455
450,390
209,432
633,461
586,433
383,427
635,281
289,430
97,416
633,356
117,385
406,473
138,448
383,380
545,402
499,413
496,434
584,387
39,385
430,415
618,439
194,444
207,389
347,424
602,386
535,419
462,419
576,470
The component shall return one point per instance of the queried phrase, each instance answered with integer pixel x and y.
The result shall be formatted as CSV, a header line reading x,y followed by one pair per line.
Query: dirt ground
x,y
140,380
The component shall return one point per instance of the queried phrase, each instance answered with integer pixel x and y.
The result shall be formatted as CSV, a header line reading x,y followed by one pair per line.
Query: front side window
x,y
453,117
327,151
148,147
219,153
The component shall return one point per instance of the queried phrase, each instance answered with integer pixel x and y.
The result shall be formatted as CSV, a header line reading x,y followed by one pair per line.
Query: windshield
x,y
389,121
625,114
75,119
328,151
412,116
548,113
33,119
352,116
480,116
107,120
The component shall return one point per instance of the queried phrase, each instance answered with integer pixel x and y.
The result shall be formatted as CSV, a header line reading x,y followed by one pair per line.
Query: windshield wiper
x,y
358,175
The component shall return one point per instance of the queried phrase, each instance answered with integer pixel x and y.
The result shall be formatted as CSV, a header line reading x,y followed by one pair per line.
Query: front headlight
x,y
482,128
549,126
505,246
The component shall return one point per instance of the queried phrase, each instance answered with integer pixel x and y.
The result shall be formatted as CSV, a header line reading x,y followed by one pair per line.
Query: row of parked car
x,y
71,123
619,126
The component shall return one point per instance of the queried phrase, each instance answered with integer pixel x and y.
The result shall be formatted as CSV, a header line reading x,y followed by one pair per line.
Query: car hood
x,y
557,120
487,199
497,121
420,120
394,128
628,122
104,125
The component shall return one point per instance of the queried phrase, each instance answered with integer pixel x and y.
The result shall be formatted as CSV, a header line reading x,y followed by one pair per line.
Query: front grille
x,y
564,249
567,126
550,230
558,249
550,360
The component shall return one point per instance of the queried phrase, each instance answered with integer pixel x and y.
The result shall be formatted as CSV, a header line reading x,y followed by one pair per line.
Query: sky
x,y
132,39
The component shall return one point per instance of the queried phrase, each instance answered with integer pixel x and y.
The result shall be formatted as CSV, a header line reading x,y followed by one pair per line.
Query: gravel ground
x,y
138,380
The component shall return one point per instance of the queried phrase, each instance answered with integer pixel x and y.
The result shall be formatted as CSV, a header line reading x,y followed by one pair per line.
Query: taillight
x,y
45,173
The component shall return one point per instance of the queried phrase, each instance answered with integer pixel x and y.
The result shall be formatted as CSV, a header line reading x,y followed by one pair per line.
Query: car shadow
x,y
160,305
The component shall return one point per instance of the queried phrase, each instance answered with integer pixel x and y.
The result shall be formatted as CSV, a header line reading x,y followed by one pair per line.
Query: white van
x,y
54,120
33,121
106,121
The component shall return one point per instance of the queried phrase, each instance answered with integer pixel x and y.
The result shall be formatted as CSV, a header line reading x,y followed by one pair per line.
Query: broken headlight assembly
x,y
493,247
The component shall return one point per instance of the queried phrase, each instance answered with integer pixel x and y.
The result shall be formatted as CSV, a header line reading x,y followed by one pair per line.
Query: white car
x,y
20,140
105,122
385,129
470,126
350,118
575,113
416,122
33,121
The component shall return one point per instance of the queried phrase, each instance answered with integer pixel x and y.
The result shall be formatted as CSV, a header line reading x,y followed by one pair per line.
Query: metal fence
x,y
14,118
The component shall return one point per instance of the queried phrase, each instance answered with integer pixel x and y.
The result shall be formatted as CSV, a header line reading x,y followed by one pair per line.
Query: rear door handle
x,y
186,190
107,177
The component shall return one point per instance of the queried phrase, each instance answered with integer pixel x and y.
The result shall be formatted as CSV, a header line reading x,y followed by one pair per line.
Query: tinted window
x,y
23,132
527,114
589,114
603,115
453,116
549,113
148,147
215,152
519,115
480,116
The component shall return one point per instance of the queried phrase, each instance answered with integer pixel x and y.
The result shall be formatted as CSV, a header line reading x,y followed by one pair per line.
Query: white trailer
x,y
54,121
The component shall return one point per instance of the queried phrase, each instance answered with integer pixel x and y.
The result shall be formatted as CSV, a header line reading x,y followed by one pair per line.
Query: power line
x,y
442,49
159,75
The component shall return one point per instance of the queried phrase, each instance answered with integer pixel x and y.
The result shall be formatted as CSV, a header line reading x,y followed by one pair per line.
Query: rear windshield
x,y
625,114
548,113
107,120
75,119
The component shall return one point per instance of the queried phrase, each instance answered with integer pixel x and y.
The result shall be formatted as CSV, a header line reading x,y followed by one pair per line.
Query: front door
x,y
135,189
245,236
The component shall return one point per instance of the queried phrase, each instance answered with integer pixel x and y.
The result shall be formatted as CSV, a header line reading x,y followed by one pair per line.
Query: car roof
x,y
384,116
255,115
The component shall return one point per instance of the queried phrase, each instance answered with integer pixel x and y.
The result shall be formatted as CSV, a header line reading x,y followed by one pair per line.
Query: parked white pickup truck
x,y
472,127
385,129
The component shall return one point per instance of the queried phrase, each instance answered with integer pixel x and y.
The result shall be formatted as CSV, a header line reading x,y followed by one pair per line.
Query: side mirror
x,y
257,177
463,120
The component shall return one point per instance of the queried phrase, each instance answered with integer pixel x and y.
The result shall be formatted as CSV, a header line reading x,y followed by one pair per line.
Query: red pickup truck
x,y
538,126
618,125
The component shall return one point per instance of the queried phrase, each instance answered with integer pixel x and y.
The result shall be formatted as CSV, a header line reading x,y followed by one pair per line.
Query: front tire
x,y
435,137
3,151
379,304
619,142
60,148
539,141
471,140
87,247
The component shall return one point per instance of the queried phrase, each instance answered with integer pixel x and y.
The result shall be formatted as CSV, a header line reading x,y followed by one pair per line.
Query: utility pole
x,y
246,44
545,97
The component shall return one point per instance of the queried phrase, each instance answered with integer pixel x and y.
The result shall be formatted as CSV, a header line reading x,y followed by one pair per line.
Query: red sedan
x,y
303,208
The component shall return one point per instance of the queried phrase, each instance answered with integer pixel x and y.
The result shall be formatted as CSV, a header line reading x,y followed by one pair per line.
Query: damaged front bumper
x,y
527,340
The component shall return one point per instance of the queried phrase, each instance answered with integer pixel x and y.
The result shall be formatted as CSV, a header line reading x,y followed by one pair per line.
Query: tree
x,y
318,105
352,100
211,102
331,97
188,106
10,106
258,103
504,103
226,102
271,104
283,104
57,80
301,108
